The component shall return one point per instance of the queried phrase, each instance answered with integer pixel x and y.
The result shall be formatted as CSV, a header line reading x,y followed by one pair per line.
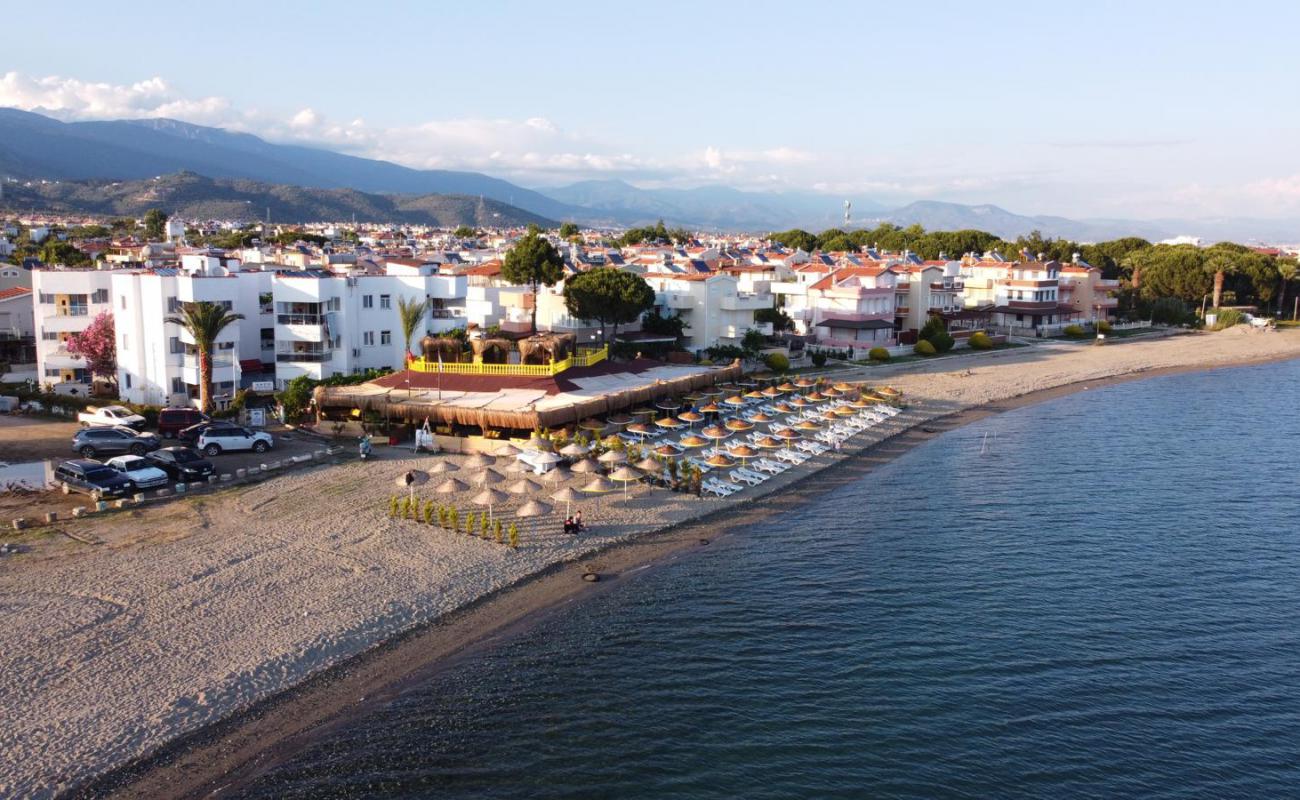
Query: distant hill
x,y
937,216
33,146
720,207
192,196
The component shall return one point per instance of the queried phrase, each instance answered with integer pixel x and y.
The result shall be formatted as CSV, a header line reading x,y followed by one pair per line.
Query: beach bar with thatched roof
x,y
474,403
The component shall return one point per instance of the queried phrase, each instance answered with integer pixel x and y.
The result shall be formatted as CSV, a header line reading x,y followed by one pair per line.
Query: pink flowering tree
x,y
97,346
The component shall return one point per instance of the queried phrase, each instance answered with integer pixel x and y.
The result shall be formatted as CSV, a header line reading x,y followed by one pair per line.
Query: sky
x,y
1137,109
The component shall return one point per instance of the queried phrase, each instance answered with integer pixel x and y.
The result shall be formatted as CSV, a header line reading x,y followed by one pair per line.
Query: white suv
x,y
220,438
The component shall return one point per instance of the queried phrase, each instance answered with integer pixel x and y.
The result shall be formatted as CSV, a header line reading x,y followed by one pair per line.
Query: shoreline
x,y
232,752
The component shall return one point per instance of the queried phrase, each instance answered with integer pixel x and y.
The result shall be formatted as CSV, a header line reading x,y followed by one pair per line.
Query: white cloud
x,y
69,98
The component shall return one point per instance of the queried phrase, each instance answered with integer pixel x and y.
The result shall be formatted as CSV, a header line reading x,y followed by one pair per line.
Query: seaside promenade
x,y
188,612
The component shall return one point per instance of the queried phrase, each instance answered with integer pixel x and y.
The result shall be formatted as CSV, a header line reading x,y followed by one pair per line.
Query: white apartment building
x,y
65,302
328,324
934,287
715,311
157,362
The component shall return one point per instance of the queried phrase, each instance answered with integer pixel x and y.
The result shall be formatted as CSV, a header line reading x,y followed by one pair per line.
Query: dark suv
x,y
171,421
91,442
181,463
93,478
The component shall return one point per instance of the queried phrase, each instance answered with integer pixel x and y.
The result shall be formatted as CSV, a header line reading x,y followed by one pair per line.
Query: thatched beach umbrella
x,y
762,418
592,425
786,387
738,425
755,395
488,477
747,382
411,479
786,433
669,450
523,486
843,387
574,450
599,486
693,440
769,443
451,486
863,402
442,467
710,408
539,444
816,397
889,392
743,452
667,404
478,461
532,509
587,466
625,475
612,457
799,402
783,408
720,461
690,417
643,412
556,476
771,391
843,411
515,467
567,495
650,464
506,450
620,420
668,423
712,391
489,498
807,425
639,428
804,383
715,432
735,401
832,392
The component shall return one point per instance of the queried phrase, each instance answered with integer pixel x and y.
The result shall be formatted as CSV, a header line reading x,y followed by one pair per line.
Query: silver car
x,y
94,442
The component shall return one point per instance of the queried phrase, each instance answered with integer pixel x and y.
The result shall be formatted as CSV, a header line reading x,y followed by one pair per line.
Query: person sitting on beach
x,y
569,526
577,522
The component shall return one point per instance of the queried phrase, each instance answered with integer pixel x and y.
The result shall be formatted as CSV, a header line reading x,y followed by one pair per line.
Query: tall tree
x,y
410,313
205,321
1219,265
612,297
97,346
1286,272
155,223
533,261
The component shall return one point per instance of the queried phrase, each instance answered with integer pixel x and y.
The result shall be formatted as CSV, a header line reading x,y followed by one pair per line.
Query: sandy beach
x,y
192,612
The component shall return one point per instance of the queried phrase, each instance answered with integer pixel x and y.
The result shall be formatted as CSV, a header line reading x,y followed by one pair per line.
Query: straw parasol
x,y
488,477
523,486
625,475
829,414
670,450
739,425
804,383
556,476
587,465
712,391
735,401
668,422
690,417
515,467
762,417
843,411
411,479
693,440
620,419
799,402
889,391
612,457
489,498
539,444
743,452
451,486
715,432
843,387
649,464
786,433
544,459
574,450
639,428
442,467
599,486
816,397
506,450
592,425
710,408
832,392
807,425
533,508
667,404
755,395
771,391
786,387
643,412
769,443
720,461
747,382
478,461
566,495
863,402
783,408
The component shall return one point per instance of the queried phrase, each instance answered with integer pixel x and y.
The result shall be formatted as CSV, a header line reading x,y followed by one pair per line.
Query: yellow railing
x,y
583,359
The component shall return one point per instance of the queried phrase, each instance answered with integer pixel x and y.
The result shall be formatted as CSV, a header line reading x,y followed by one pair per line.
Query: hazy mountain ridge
x,y
194,196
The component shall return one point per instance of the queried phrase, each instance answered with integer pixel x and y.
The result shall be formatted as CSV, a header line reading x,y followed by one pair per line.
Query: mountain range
x,y
37,147
192,196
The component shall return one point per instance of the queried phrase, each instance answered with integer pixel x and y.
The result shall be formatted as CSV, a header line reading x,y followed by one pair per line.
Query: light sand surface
x,y
190,611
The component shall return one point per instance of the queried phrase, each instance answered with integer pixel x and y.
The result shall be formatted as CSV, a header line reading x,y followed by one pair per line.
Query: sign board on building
x,y
263,386
257,417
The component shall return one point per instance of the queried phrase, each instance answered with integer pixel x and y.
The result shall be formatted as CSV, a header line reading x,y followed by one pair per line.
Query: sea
x,y
1097,596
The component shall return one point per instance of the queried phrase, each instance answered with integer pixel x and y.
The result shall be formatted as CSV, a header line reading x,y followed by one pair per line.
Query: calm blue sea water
x,y
1104,605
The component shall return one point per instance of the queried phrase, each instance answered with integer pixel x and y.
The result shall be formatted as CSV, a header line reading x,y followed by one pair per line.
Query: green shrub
x,y
1103,326
454,518
935,331
878,354
777,362
483,525
514,536
469,523
1074,331
979,340
497,530
428,512
1169,311
818,358
1227,318
924,348
393,506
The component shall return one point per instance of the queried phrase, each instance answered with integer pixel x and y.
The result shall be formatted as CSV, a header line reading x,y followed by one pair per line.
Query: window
x,y
51,372
368,338
367,301
123,299
178,386
46,297
50,336
385,301
126,342
100,296
268,338
385,337
173,305
128,380
225,345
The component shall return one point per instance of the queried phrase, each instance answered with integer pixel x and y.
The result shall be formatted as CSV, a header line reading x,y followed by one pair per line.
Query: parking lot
x,y
31,446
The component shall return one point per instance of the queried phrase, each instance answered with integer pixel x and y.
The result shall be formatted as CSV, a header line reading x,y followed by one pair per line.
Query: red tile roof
x,y
17,291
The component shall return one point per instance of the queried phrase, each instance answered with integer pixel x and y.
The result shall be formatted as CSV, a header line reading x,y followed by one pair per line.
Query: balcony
x,y
677,301
947,286
303,358
1106,286
300,319
71,311
301,352
745,302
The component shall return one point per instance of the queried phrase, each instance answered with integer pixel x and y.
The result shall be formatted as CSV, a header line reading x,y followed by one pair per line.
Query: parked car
x,y
91,442
191,434
171,421
142,473
181,463
220,438
93,478
110,416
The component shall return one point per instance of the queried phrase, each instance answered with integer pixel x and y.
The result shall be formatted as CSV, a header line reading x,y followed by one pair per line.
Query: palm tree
x,y
1219,266
412,315
205,321
1286,272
